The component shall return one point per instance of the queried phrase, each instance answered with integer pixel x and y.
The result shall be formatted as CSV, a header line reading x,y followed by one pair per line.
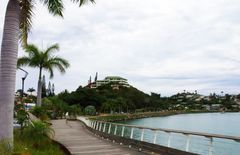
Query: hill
x,y
108,99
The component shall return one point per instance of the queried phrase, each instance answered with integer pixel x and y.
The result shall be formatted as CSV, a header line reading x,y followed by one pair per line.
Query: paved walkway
x,y
79,141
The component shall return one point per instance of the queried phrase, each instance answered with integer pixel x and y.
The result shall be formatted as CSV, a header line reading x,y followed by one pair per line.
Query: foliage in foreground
x,y
34,140
4,149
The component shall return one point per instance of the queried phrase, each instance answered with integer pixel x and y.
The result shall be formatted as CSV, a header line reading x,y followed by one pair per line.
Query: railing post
x,y
142,134
188,143
123,127
155,137
95,125
131,136
109,128
104,127
98,123
210,149
169,139
115,131
100,126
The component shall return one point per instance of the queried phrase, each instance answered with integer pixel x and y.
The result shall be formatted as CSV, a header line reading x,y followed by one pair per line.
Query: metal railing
x,y
195,142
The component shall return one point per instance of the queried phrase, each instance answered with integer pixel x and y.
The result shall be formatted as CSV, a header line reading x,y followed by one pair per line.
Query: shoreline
x,y
128,116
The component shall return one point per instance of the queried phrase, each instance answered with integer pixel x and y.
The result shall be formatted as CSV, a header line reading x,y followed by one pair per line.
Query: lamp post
x,y
23,79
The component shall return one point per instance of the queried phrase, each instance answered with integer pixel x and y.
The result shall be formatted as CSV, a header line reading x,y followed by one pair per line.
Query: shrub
x,y
60,108
27,144
22,118
73,111
90,110
40,112
37,132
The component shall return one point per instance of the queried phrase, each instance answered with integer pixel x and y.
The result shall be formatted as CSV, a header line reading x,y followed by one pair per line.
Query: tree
x,y
49,90
90,110
44,90
31,90
43,60
17,20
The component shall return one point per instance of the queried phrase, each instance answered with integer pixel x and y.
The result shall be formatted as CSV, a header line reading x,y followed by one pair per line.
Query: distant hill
x,y
106,98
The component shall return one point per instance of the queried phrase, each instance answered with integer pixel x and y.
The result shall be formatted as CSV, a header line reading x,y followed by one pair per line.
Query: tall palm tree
x,y
42,60
18,20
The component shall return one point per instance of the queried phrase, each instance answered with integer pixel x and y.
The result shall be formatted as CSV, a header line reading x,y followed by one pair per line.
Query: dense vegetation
x,y
129,100
109,100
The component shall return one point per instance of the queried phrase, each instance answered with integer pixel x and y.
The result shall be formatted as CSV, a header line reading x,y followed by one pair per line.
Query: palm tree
x,y
17,20
31,90
43,60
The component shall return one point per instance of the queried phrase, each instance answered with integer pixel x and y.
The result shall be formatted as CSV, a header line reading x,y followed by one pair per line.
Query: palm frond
x,y
26,13
32,50
55,7
61,61
59,67
51,49
34,54
50,70
23,61
82,2
56,62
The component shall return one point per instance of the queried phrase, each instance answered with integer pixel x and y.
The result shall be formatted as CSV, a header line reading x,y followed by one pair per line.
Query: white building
x,y
115,82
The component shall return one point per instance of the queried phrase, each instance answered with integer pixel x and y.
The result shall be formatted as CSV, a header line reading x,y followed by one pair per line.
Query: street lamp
x,y
23,78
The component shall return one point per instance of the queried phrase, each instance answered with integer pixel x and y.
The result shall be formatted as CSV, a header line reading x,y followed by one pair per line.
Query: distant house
x,y
188,96
114,81
207,107
215,106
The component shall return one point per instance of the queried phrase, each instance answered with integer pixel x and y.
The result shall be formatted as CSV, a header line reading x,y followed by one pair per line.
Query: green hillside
x,y
107,99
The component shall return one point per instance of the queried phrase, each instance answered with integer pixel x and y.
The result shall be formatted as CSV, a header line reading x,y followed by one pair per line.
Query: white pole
x,y
104,127
95,125
210,151
109,128
188,143
123,127
169,139
100,126
155,137
115,131
142,134
131,136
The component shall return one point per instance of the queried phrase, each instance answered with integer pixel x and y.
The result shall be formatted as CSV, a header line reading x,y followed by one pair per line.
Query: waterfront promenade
x,y
79,141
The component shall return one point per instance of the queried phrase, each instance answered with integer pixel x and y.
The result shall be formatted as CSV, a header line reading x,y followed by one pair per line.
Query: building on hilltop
x,y
115,81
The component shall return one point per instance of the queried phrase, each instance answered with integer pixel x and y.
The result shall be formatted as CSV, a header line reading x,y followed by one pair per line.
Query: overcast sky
x,y
158,45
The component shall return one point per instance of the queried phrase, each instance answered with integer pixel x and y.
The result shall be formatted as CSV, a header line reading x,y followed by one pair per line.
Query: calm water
x,y
217,123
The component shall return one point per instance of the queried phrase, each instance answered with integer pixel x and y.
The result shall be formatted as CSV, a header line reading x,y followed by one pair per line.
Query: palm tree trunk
x,y
8,63
39,89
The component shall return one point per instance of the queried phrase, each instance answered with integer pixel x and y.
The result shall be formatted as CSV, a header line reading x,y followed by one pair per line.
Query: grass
x,y
29,145
33,140
24,145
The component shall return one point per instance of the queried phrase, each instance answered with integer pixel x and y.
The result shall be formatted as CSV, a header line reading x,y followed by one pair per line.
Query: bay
x,y
214,123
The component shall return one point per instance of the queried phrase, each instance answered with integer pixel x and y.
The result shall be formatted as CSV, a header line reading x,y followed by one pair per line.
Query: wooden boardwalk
x,y
79,141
